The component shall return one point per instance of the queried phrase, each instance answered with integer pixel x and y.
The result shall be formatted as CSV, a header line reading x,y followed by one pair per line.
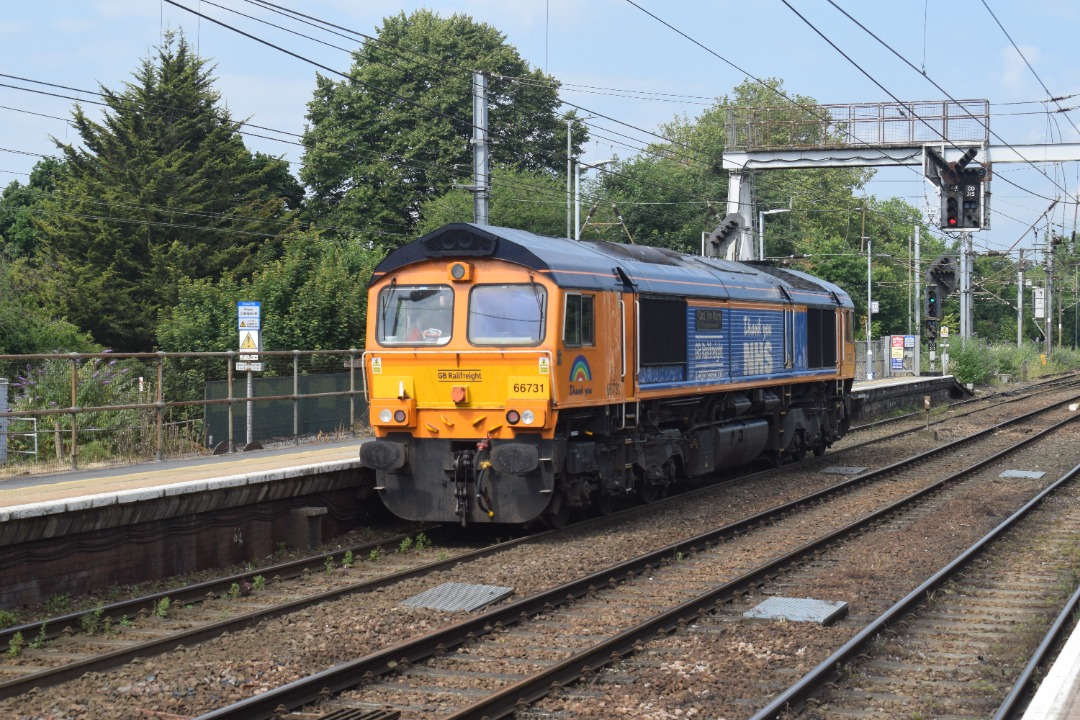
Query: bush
x,y
977,361
972,362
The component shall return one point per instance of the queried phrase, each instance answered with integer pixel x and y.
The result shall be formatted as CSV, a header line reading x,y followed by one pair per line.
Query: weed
x,y
161,610
347,561
58,605
422,542
124,622
679,557
375,555
234,590
259,582
91,622
329,564
7,619
405,546
15,645
41,639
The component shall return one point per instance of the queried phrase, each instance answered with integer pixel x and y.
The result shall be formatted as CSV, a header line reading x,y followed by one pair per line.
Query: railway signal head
x,y
931,303
950,209
970,197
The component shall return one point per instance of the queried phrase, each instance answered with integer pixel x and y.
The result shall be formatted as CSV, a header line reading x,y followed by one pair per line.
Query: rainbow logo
x,y
579,371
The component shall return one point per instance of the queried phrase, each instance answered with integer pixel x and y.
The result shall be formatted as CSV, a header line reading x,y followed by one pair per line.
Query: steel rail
x,y
351,673
815,679
52,628
1026,683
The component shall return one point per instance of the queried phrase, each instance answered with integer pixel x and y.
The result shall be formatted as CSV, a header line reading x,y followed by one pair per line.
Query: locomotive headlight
x,y
513,417
528,417
385,415
460,272
399,415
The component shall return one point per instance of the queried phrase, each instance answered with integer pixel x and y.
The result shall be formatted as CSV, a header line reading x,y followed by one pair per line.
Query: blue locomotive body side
x,y
737,345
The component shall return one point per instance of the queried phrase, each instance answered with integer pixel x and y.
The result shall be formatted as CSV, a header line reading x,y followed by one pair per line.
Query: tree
x,y
533,201
161,190
19,236
397,132
313,297
30,321
677,189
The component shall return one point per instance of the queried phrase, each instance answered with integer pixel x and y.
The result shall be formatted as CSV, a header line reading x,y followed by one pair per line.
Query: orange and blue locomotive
x,y
513,377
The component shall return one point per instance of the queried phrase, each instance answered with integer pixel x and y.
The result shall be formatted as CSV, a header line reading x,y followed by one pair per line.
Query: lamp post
x,y
569,170
582,167
570,164
869,311
761,228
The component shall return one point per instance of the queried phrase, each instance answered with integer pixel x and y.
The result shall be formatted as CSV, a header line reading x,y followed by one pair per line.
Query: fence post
x,y
160,409
352,391
296,394
228,380
4,422
74,411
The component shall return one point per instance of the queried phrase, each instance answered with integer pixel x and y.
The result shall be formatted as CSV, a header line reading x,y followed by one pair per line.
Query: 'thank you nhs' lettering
x,y
757,347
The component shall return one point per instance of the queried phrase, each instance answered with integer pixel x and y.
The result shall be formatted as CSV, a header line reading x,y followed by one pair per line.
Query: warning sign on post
x,y
249,323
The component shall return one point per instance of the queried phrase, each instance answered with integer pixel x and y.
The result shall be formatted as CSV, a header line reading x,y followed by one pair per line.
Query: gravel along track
x,y
193,680
960,655
726,666
451,681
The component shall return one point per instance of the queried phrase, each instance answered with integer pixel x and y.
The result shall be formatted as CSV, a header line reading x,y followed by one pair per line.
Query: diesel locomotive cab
x,y
459,386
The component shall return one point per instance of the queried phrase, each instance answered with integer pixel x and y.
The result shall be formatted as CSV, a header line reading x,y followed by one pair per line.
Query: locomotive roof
x,y
614,266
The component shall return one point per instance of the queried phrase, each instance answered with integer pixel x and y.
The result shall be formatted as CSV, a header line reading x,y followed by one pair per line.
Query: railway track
x,y
489,665
672,552
957,644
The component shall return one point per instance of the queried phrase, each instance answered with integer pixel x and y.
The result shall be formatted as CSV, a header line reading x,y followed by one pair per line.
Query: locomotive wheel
x,y
819,449
557,514
603,503
648,493
800,447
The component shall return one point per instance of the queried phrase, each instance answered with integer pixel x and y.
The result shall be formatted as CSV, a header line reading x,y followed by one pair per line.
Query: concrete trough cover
x,y
823,612
841,470
1028,474
462,597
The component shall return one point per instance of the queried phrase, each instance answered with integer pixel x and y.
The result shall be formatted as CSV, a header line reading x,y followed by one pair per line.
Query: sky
x,y
640,63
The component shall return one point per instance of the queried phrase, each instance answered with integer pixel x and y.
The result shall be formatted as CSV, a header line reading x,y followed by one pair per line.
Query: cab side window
x,y
578,327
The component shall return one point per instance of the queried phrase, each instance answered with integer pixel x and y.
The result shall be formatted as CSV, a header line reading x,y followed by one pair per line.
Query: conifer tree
x,y
162,189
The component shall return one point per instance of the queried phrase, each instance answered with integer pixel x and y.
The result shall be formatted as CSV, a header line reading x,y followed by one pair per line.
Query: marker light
x,y
528,417
512,417
399,415
385,415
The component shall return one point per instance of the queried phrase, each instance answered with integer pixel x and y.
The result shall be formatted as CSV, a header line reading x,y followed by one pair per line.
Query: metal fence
x,y
4,421
70,410
880,366
857,125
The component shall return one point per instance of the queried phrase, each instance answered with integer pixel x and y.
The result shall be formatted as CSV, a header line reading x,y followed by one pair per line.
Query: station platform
x,y
67,533
1058,696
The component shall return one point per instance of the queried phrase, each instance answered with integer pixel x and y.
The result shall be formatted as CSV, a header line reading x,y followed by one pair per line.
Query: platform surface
x,y
24,490
1058,696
